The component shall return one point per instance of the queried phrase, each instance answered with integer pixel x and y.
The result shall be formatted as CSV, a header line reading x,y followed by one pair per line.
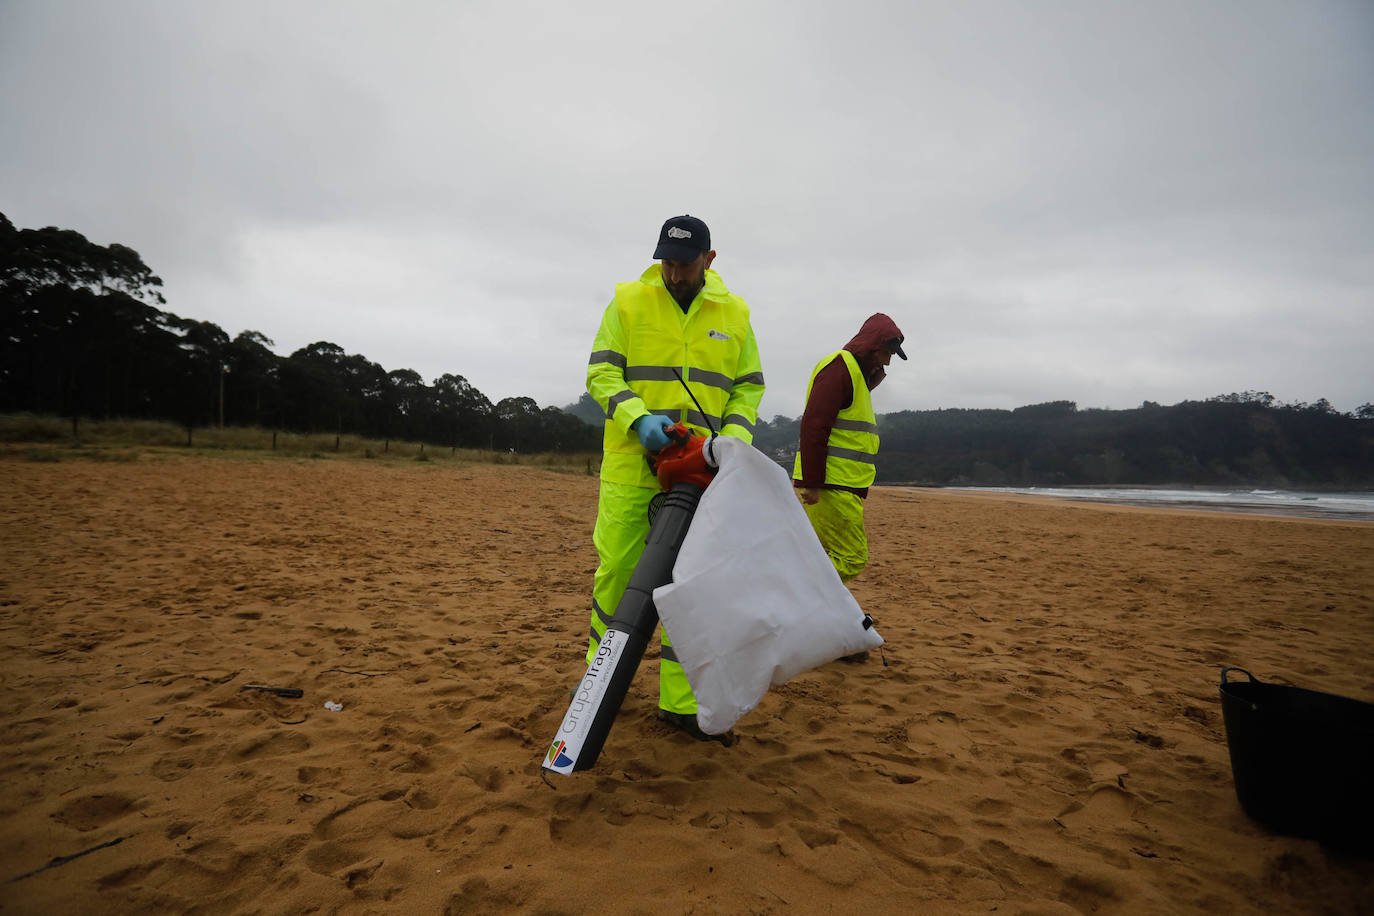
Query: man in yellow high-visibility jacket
x,y
838,449
677,316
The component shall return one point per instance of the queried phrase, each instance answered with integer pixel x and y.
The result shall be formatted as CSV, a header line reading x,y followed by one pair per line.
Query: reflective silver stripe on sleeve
x,y
651,373
607,356
714,379
666,654
739,420
753,378
620,397
858,426
851,454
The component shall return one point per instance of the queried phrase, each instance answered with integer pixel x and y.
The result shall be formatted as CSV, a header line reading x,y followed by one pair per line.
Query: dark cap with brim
x,y
896,346
682,238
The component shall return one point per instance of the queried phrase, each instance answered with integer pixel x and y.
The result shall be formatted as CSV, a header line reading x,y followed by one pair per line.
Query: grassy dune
x,y
47,438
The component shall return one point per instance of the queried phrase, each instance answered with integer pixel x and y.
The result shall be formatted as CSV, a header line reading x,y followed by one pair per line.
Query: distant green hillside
x,y
1236,440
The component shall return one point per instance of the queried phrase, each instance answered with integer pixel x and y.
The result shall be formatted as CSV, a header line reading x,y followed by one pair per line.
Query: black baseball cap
x,y
682,238
895,345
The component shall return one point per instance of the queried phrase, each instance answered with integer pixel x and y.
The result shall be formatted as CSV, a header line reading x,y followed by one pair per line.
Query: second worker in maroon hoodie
x,y
838,449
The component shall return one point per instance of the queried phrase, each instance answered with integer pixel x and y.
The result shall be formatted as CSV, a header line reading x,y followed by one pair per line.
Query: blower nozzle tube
x,y
602,690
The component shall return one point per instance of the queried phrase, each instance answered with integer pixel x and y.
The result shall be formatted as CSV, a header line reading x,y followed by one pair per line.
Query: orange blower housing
x,y
682,460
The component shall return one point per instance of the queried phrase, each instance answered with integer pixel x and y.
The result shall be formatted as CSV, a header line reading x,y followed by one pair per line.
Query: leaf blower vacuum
x,y
683,472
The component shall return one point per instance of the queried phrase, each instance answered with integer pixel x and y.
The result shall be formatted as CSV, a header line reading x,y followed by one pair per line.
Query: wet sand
x,y
1046,735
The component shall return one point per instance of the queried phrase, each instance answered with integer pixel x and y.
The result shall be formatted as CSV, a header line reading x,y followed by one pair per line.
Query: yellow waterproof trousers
x,y
622,524
838,518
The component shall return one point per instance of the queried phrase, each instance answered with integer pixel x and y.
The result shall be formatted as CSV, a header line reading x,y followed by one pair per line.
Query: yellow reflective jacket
x,y
851,455
643,337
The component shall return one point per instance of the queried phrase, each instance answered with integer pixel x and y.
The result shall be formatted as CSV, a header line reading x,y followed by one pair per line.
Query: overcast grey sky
x,y
1104,202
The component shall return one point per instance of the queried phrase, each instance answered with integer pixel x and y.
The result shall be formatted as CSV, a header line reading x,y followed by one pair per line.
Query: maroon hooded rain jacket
x,y
832,391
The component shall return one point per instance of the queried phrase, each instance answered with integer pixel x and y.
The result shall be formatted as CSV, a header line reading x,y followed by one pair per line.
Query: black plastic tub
x,y
1303,761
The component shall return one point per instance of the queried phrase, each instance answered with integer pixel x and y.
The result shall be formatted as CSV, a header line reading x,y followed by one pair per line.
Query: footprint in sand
x,y
272,744
134,874
1106,808
814,836
486,776
331,856
92,811
309,775
939,731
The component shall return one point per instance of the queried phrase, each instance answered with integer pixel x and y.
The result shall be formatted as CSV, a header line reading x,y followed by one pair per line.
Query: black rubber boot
x,y
687,722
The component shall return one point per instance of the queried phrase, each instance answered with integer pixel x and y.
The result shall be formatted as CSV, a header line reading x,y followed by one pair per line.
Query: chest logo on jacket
x,y
717,335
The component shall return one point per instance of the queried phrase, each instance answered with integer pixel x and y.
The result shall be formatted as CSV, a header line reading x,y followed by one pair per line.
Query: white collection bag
x,y
754,599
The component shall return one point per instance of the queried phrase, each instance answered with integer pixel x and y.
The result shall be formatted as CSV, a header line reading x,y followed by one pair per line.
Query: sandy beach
x,y
1045,736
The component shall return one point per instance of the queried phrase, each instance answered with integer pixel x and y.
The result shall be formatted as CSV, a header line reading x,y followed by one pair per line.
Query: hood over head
x,y
878,335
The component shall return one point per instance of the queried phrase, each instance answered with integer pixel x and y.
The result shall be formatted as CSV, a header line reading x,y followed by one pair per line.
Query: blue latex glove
x,y
652,430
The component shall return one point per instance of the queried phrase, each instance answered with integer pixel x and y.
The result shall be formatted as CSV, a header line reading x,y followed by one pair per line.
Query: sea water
x,y
1351,505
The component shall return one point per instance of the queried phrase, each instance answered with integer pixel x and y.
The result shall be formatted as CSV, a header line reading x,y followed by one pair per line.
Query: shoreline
x,y
1176,498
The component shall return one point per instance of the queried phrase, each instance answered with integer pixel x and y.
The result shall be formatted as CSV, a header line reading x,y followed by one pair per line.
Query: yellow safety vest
x,y
851,454
643,339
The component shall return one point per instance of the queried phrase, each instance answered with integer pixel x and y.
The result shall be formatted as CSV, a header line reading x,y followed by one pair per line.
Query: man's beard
x,y
682,293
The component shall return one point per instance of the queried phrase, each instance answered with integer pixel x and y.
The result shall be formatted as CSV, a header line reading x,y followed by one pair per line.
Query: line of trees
x,y
83,333
1241,439
1245,439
